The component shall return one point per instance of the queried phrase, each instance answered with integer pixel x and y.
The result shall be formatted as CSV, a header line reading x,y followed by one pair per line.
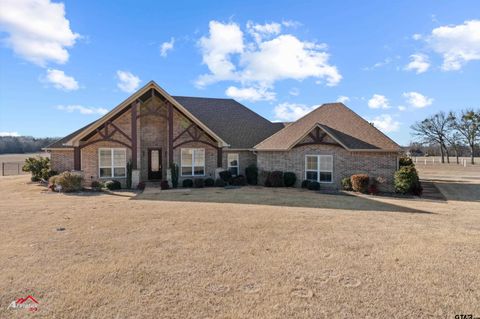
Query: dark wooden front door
x,y
154,163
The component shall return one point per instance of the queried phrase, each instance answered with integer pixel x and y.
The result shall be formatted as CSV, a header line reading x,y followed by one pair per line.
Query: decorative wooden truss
x,y
317,137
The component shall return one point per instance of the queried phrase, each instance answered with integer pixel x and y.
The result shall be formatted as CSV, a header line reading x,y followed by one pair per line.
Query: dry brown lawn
x,y
147,257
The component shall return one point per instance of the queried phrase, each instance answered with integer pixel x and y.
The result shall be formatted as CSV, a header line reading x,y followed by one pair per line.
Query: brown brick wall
x,y
61,160
345,163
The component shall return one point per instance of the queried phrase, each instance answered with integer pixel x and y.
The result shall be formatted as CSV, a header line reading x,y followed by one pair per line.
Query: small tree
x,y
39,167
435,129
468,126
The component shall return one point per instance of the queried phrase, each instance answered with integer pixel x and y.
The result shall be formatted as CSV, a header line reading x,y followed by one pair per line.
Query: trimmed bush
x,y
209,182
69,182
113,185
263,178
141,186
39,167
164,185
360,182
346,184
373,189
314,186
275,179
289,179
187,183
305,183
199,182
405,161
129,175
239,180
251,173
407,182
174,173
220,182
226,176
96,185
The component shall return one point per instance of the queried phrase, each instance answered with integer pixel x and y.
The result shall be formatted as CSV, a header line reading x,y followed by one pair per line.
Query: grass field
x,y
309,255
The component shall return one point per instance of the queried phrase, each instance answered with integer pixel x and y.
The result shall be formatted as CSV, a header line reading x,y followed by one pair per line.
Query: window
x,y
192,161
112,162
233,167
319,168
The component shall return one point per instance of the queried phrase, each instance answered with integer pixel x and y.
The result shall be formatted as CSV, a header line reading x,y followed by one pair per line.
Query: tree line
x,y
23,144
452,131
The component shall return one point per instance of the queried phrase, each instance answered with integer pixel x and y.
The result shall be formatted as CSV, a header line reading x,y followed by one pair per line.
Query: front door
x,y
154,163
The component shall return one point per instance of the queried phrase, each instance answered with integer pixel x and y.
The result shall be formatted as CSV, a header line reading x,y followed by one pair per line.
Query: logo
x,y
29,303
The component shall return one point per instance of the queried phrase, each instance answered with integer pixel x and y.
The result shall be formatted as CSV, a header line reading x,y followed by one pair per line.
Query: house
x,y
153,130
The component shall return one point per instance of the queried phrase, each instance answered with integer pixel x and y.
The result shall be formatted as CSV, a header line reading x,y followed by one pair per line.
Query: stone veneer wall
x,y
345,163
245,159
61,160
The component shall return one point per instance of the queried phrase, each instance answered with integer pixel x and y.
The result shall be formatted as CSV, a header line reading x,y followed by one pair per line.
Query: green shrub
x,y
275,179
239,180
113,185
305,183
405,161
220,182
187,183
96,185
141,186
39,167
209,182
263,177
251,173
174,173
69,182
407,182
314,186
289,179
164,185
226,176
360,182
199,182
346,184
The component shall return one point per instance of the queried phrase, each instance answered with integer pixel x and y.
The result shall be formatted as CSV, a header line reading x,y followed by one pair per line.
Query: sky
x,y
64,64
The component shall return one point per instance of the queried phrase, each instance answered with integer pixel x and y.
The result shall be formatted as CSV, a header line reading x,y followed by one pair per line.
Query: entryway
x,y
154,163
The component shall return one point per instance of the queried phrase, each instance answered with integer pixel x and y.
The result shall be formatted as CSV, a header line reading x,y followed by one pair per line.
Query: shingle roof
x,y
340,122
233,122
60,143
236,124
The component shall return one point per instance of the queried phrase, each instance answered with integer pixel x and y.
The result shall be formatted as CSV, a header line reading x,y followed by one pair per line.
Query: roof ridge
x,y
204,97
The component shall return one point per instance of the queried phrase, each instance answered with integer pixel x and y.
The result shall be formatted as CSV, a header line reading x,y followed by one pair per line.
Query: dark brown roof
x,y
233,122
60,143
344,125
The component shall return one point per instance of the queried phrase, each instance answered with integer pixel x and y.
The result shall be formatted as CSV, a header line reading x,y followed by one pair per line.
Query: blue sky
x,y
63,64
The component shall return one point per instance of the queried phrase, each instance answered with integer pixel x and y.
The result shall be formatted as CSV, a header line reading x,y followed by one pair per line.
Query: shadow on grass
x,y
290,197
458,190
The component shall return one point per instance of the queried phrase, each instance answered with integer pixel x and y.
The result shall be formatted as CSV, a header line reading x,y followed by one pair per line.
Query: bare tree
x,y
435,129
468,125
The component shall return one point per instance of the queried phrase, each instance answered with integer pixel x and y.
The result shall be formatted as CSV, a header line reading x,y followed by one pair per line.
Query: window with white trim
x,y
319,168
112,162
192,161
233,163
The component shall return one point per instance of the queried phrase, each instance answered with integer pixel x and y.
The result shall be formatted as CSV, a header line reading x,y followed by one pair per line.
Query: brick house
x,y
153,130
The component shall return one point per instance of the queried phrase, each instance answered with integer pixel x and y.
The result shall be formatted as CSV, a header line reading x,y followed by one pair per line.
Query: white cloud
x,y
250,94
385,123
458,44
288,112
127,81
9,134
261,31
378,102
60,80
401,108
419,63
166,46
223,41
270,57
343,99
377,65
294,91
37,30
416,99
82,109
417,36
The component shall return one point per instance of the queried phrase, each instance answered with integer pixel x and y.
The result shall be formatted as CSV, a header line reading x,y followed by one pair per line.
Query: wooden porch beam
x,y
77,159
134,134
170,134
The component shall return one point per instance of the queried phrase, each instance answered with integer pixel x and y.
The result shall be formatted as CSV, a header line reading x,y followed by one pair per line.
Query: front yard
x,y
283,254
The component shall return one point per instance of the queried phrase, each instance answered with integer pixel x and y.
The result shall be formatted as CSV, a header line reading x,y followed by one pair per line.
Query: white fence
x,y
437,160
